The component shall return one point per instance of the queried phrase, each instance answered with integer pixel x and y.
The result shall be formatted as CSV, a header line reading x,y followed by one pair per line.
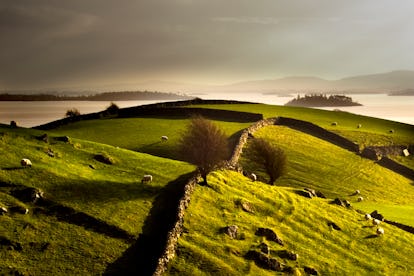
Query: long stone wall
x,y
175,233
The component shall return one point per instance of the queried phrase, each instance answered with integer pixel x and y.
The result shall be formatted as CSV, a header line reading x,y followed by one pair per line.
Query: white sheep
x,y
360,198
253,177
376,222
147,178
357,192
164,138
368,216
359,126
380,231
26,162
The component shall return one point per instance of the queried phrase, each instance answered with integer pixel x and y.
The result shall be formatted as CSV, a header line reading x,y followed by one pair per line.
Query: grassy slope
x,y
300,222
374,131
139,134
112,193
317,164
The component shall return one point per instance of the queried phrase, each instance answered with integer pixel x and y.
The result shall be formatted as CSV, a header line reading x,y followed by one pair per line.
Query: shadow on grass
x,y
142,257
371,236
13,168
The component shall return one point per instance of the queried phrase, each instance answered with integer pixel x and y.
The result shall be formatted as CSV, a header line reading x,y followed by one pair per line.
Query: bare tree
x,y
203,144
270,158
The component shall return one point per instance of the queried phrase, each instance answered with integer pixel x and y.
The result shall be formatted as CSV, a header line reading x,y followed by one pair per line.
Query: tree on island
x,y
268,157
322,100
203,144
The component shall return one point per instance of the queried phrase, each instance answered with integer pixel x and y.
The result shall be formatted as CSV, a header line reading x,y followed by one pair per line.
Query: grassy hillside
x,y
374,131
300,222
92,209
139,134
336,172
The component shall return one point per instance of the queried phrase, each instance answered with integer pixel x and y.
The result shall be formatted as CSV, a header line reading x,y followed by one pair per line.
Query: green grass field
x,y
112,194
139,134
300,222
374,131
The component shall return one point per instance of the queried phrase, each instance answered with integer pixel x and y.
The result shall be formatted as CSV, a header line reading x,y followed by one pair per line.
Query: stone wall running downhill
x,y
175,233
396,167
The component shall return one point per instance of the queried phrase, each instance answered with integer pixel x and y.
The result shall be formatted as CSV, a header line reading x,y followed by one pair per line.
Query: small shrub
x,y
112,109
270,158
71,113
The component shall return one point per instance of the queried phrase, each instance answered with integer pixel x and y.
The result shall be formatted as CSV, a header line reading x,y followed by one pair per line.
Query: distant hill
x,y
374,83
405,92
107,96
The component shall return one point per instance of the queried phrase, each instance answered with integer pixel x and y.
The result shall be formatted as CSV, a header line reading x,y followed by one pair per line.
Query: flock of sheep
x,y
375,222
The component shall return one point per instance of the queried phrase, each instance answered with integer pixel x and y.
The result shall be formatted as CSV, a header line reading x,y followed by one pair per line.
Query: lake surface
x,y
29,114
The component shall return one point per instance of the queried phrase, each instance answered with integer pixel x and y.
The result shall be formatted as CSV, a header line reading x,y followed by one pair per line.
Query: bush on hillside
x,y
71,113
112,109
203,144
270,158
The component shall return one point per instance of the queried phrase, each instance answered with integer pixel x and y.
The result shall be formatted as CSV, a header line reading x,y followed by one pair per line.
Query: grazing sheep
x,y
146,179
376,222
253,177
334,124
357,192
164,138
359,126
380,231
368,216
360,198
26,162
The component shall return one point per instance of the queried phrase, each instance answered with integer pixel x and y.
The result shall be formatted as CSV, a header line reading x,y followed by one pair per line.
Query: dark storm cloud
x,y
80,43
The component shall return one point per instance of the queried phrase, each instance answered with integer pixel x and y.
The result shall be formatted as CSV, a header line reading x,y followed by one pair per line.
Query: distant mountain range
x,y
376,83
391,82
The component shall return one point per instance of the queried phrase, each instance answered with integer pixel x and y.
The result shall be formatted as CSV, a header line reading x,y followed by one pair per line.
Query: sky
x,y
91,43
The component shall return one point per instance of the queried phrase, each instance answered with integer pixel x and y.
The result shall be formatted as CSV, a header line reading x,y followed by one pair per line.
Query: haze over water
x,y
29,114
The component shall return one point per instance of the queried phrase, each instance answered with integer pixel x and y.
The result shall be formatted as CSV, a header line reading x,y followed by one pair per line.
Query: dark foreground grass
x,y
300,222
65,234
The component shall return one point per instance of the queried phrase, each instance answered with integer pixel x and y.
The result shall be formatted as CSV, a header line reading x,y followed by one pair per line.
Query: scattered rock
x,y
28,194
320,194
334,225
92,167
311,191
377,215
231,230
44,138
264,248
339,202
50,153
264,261
310,270
285,254
19,209
65,139
11,245
247,207
104,159
3,210
269,234
304,193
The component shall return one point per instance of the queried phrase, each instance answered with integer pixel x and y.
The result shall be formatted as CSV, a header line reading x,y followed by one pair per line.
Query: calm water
x,y
29,114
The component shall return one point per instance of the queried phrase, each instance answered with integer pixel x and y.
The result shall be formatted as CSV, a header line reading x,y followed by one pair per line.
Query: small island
x,y
322,100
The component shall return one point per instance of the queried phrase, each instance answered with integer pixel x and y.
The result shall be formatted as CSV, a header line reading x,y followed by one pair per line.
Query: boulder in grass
x,y
269,234
263,261
310,270
231,230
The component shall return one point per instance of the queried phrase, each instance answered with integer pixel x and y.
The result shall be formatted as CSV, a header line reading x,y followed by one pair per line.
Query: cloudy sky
x,y
90,43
